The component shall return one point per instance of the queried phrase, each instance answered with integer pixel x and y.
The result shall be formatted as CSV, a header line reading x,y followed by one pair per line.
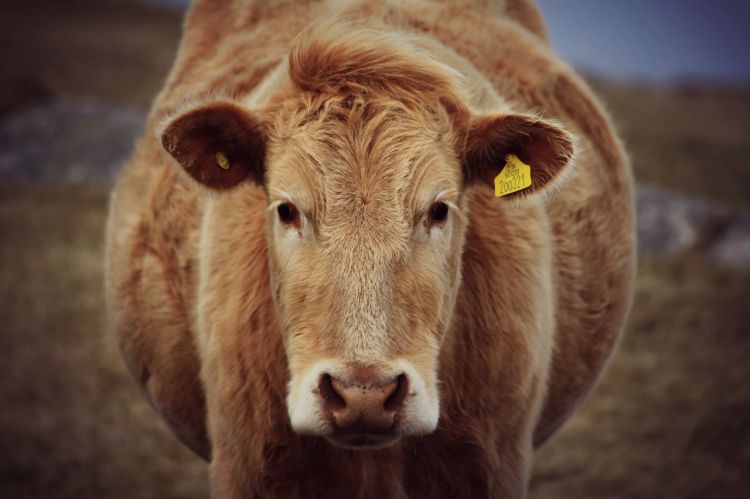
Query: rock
x,y
68,142
670,223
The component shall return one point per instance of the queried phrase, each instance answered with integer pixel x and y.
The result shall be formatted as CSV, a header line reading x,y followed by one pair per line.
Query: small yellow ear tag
x,y
222,160
514,177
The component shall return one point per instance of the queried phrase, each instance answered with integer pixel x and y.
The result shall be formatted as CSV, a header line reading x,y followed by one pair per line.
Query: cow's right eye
x,y
288,214
438,212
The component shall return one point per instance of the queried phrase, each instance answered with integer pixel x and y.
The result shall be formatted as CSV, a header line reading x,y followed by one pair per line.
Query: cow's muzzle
x,y
363,407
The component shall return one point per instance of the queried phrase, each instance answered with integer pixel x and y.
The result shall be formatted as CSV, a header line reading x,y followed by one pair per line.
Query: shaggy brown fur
x,y
516,313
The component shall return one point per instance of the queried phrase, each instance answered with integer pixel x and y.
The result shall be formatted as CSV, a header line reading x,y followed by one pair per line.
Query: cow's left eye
x,y
438,213
288,214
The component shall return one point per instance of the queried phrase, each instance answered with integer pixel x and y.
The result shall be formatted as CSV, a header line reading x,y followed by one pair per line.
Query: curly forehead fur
x,y
336,56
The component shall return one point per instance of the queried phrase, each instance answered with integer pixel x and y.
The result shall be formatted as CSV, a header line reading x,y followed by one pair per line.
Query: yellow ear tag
x,y
222,160
514,177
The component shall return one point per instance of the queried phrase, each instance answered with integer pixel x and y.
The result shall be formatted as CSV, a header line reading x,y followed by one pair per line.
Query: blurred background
x,y
671,418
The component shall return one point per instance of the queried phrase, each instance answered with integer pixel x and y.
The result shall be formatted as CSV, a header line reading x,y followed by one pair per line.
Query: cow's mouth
x,y
363,441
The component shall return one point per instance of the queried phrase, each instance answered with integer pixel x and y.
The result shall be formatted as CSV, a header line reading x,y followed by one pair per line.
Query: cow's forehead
x,y
355,158
367,224
368,187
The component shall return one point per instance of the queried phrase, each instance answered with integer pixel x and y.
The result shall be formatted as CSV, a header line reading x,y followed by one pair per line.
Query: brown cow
x,y
309,273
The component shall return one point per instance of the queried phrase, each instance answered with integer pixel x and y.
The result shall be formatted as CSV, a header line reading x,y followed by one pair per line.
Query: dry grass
x,y
73,423
672,416
692,139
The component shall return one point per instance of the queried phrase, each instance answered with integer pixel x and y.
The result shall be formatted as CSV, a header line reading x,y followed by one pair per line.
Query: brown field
x,y
671,418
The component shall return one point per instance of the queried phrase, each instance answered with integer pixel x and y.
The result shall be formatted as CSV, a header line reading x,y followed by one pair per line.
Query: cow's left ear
x,y
218,144
544,146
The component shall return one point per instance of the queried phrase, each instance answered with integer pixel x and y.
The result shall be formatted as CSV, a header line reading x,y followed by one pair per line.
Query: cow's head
x,y
365,151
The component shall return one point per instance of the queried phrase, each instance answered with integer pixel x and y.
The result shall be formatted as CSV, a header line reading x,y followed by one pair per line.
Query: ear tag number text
x,y
514,177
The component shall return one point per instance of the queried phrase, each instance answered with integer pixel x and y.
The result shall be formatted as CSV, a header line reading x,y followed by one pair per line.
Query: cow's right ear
x,y
545,146
218,144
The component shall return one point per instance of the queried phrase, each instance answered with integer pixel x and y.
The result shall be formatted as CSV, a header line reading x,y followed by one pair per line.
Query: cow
x,y
309,272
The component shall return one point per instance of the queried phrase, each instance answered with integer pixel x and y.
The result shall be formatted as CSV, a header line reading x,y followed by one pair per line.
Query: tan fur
x,y
511,310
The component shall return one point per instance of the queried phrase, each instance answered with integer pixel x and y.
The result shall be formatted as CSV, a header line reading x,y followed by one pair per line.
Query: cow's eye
x,y
438,213
288,213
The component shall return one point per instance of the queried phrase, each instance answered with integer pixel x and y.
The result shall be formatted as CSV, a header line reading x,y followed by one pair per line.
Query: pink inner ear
x,y
195,138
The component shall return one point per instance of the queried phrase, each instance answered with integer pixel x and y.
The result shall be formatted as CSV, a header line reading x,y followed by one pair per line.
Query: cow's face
x,y
365,227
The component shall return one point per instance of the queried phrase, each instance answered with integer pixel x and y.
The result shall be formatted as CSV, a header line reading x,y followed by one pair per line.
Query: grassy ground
x,y
695,139
73,424
672,415
670,419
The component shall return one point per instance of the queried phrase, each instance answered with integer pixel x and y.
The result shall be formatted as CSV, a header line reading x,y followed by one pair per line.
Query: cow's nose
x,y
363,402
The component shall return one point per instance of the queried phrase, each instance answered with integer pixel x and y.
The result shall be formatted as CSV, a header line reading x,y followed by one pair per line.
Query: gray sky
x,y
653,39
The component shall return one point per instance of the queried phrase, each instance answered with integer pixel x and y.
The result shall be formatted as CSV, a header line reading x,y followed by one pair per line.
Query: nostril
x,y
395,400
333,400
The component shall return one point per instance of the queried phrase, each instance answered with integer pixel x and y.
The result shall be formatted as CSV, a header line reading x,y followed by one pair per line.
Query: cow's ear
x,y
546,148
218,144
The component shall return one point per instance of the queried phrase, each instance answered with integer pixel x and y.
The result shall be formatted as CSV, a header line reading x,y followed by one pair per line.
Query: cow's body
x,y
541,281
